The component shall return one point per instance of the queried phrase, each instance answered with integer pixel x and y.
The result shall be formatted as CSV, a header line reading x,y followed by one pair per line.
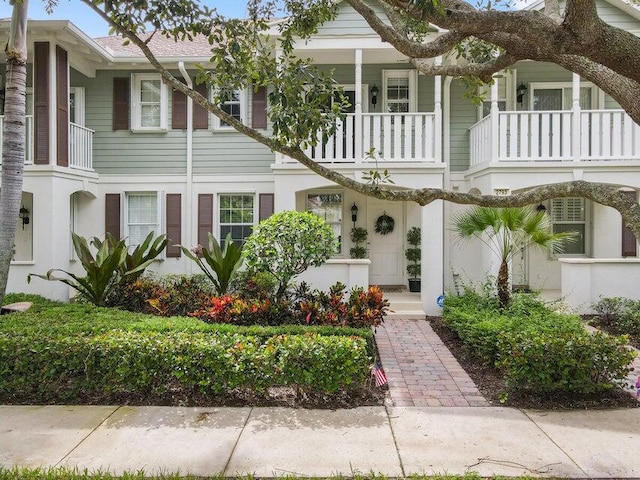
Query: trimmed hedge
x,y
80,351
538,350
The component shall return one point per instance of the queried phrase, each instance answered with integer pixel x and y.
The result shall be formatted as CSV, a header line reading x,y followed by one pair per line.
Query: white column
x,y
576,119
358,120
432,256
437,109
494,121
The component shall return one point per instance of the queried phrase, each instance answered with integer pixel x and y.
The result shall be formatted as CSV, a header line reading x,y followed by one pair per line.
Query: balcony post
x,y
494,122
357,130
437,109
576,119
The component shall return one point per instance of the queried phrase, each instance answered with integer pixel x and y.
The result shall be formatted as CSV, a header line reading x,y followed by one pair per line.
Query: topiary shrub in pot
x,y
358,236
413,255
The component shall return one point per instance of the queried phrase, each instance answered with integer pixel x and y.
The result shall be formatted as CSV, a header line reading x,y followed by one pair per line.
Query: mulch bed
x,y
491,384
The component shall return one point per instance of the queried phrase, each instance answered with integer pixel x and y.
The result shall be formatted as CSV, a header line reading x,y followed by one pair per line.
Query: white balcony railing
x,y
555,136
395,137
80,144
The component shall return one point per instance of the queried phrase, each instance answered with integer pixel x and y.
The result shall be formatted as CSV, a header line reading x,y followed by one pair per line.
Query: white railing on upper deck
x,y
80,144
80,147
28,151
395,137
555,136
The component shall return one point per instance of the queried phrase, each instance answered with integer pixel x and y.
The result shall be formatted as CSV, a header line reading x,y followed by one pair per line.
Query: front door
x,y
386,251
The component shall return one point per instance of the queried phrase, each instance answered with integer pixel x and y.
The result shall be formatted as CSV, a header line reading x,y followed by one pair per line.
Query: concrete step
x,y
406,315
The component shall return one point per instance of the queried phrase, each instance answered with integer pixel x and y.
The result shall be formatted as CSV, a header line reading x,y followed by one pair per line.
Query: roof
x,y
161,46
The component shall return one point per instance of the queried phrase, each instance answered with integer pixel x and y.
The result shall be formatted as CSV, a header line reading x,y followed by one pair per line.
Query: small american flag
x,y
378,374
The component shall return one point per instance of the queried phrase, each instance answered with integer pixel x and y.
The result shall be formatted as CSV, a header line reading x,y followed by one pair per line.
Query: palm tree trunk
x,y
503,284
14,138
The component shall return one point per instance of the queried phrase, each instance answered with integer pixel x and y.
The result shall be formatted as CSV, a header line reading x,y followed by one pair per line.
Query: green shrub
x,y
619,315
538,350
288,243
80,351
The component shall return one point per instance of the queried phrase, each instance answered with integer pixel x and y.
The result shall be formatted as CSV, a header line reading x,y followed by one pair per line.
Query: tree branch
x,y
484,71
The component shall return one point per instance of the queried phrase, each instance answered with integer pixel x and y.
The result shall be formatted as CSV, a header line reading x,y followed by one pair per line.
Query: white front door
x,y
386,251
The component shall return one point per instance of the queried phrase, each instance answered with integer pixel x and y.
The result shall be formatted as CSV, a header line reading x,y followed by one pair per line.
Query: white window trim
x,y
79,107
587,232
595,96
136,118
412,75
226,194
508,98
216,123
159,217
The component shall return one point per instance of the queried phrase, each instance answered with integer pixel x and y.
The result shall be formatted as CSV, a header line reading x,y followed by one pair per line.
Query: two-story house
x,y
110,148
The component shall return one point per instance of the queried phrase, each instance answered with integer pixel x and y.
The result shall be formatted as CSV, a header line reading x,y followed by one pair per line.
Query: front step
x,y
406,315
405,305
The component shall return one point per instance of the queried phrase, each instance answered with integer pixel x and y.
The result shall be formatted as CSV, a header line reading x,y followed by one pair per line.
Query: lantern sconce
x,y
520,91
24,215
541,208
354,213
374,95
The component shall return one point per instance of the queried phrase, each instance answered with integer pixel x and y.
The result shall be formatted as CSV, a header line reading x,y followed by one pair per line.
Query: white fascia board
x,y
342,43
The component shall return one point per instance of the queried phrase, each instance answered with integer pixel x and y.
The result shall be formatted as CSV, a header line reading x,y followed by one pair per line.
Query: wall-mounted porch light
x,y
24,215
354,213
520,91
541,208
374,95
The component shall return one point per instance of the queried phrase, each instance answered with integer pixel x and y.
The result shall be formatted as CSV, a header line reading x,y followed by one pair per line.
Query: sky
x,y
89,22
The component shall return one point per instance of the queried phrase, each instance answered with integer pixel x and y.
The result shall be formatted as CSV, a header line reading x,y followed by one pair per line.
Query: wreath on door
x,y
384,224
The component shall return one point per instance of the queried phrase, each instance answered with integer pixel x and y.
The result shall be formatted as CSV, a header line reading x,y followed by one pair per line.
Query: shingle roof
x,y
161,46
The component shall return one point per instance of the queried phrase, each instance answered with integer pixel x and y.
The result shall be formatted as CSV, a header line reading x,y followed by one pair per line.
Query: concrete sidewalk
x,y
279,441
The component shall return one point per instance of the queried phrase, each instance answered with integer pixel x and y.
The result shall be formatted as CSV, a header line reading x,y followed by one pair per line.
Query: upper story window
x,y
569,215
143,216
149,106
328,206
400,91
235,104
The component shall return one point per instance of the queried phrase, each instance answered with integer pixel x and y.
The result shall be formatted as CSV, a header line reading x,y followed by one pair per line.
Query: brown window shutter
x,y
259,108
629,244
200,114
178,110
266,206
112,214
174,224
121,93
41,103
62,107
205,217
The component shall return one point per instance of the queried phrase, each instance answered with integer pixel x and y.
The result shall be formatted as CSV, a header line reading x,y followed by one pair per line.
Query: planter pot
x,y
414,284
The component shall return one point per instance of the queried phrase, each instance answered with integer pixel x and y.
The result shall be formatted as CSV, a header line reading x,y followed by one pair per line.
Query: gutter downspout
x,y
189,174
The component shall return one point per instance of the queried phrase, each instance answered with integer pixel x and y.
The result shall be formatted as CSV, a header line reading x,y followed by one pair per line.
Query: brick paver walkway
x,y
421,370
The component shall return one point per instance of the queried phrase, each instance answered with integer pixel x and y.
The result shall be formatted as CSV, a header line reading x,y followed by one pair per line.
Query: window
x,y
399,91
143,216
559,96
235,104
328,206
236,217
76,105
149,107
569,215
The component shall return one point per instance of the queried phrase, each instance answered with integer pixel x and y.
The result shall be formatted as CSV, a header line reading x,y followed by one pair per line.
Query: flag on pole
x,y
378,374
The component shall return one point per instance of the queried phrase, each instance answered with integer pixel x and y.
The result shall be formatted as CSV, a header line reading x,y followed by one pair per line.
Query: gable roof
x,y
627,6
161,46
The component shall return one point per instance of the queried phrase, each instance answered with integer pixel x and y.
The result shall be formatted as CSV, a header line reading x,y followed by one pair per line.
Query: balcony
x,y
573,135
395,137
80,144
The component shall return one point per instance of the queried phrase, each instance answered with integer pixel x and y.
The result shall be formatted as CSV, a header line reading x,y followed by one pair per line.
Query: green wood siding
x,y
349,22
463,116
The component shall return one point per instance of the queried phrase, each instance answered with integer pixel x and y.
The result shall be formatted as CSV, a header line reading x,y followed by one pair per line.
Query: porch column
x,y
437,109
494,121
432,256
358,116
576,119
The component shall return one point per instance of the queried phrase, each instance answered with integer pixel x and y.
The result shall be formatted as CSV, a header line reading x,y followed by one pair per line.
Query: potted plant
x,y
358,236
413,255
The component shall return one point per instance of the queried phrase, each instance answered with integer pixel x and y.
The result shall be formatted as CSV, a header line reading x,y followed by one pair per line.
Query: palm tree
x,y
13,141
507,231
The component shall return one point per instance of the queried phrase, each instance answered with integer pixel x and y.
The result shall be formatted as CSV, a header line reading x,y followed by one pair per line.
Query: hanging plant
x,y
384,224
